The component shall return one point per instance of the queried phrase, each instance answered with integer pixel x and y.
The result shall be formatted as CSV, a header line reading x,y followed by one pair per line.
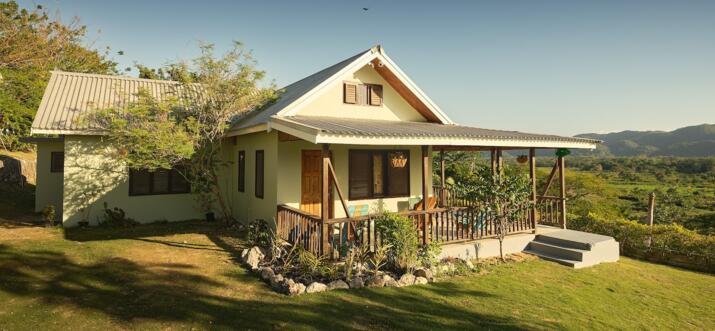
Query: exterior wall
x,y
330,103
93,176
48,190
289,176
246,206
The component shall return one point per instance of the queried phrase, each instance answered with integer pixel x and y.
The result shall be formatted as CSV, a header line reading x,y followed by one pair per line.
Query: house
x,y
337,145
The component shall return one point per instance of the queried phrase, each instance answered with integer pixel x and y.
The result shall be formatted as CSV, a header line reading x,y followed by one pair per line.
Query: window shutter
x,y
362,95
259,174
375,95
350,93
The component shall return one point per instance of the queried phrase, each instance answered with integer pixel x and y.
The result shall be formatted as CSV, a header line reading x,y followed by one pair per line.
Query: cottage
x,y
338,145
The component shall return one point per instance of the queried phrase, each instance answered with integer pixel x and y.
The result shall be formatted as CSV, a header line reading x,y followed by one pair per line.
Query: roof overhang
x,y
317,135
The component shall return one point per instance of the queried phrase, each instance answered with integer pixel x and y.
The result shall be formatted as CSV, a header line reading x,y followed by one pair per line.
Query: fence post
x,y
324,197
651,216
532,174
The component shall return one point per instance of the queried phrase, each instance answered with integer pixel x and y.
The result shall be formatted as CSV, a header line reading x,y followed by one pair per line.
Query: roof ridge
x,y
116,77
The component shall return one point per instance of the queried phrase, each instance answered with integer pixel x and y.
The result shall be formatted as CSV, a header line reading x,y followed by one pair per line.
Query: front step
x,y
574,248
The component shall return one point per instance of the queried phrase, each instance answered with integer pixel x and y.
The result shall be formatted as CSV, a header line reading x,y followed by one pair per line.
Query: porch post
x,y
532,174
425,192
493,154
442,177
324,203
500,161
562,179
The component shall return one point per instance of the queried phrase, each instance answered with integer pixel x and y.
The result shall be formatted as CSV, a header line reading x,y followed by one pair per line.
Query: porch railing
x,y
444,225
548,210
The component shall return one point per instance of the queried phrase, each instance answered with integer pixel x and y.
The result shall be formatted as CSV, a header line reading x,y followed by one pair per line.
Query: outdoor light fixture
x,y
398,160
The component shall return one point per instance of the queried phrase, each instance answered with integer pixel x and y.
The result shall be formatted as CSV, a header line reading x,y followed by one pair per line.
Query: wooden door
x,y
311,163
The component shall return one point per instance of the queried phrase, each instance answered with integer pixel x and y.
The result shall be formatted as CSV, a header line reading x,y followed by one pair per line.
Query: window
x,y
57,161
362,94
242,171
160,181
259,174
378,174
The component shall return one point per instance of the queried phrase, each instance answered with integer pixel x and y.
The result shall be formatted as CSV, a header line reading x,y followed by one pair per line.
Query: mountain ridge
x,y
689,141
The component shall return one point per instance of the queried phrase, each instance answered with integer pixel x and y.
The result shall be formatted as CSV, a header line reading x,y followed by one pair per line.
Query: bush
x,y
669,243
259,234
116,217
400,235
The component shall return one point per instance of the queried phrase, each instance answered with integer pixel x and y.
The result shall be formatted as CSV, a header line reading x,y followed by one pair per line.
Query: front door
x,y
311,163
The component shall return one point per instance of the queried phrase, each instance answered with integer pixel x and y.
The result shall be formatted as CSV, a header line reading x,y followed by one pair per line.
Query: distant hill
x,y
698,140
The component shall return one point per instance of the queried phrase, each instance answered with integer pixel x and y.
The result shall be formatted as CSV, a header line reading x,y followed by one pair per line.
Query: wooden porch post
x,y
442,177
494,160
425,192
500,162
324,196
532,174
562,179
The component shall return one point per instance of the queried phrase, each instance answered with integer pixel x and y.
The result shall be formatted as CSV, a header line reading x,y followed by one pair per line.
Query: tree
x,y
190,125
31,44
505,196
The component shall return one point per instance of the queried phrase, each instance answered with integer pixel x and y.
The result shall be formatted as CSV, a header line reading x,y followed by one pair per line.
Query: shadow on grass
x,y
98,233
179,293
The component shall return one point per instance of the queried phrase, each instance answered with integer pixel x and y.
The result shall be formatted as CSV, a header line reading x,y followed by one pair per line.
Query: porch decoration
x,y
562,152
522,159
398,160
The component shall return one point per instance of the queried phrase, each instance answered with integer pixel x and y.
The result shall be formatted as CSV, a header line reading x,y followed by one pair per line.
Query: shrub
x,y
116,217
259,234
428,254
400,235
48,215
668,243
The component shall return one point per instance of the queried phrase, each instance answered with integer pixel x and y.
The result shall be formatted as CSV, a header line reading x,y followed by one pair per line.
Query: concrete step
x,y
568,253
574,239
571,263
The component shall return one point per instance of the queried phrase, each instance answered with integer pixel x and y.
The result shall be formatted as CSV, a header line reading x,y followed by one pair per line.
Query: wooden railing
x,y
548,210
299,228
450,197
444,225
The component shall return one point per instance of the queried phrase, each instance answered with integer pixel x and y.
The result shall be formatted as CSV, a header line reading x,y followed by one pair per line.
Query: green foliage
x,y
670,243
429,253
211,91
32,44
259,234
379,257
48,215
116,217
399,234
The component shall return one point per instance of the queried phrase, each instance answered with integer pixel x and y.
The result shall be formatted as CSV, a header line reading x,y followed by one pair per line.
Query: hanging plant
x,y
522,158
562,152
398,160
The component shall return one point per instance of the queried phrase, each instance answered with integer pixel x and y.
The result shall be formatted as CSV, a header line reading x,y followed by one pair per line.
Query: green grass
x,y
183,276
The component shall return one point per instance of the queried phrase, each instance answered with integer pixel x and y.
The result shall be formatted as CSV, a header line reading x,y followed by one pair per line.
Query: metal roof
x,y
69,95
335,126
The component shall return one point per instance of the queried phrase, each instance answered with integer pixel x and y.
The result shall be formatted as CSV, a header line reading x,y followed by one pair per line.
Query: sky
x,y
560,67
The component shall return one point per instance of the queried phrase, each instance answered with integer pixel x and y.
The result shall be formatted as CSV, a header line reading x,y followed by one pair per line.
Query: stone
x,y
421,280
389,281
316,287
423,272
375,281
356,282
293,288
406,280
266,273
338,285
276,281
252,257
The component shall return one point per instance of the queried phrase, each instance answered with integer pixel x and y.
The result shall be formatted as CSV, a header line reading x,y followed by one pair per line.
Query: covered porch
x,y
440,214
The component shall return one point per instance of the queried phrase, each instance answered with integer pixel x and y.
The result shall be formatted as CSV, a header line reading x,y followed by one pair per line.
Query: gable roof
x,y
299,93
69,95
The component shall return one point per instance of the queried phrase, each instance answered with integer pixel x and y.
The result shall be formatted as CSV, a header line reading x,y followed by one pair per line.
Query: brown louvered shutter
x,y
375,95
350,93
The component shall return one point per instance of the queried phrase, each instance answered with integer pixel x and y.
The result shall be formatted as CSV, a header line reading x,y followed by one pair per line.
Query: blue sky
x,y
562,67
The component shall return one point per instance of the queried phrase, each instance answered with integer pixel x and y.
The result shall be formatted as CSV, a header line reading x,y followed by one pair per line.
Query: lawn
x,y
183,276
